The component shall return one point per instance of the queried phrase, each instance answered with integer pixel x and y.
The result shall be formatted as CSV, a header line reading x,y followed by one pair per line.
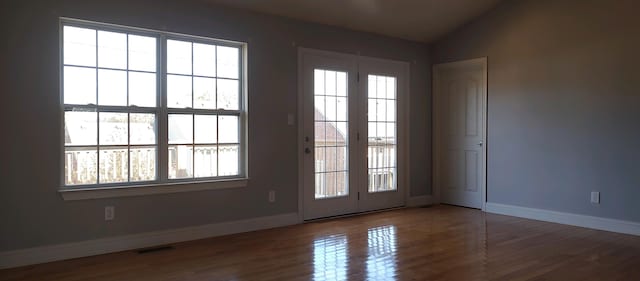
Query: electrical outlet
x,y
109,213
272,196
595,197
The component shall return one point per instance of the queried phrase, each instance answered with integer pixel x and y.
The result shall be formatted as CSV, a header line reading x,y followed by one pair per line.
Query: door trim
x,y
437,69
403,153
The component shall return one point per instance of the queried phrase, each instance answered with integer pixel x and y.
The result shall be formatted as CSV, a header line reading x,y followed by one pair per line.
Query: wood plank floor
x,y
435,243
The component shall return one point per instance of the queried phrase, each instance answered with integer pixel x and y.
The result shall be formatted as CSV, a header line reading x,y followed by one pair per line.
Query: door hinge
x,y
358,77
358,195
358,136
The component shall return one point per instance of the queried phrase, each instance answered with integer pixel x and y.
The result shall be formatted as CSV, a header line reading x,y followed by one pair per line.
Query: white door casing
x,y
460,99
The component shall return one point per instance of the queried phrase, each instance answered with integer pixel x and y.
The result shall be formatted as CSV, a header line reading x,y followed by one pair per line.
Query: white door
x,y
382,89
347,167
459,132
329,109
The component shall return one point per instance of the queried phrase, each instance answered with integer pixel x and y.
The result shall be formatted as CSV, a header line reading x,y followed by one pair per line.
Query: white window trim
x,y
150,189
162,184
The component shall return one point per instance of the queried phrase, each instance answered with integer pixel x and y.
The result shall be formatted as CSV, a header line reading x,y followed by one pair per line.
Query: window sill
x,y
140,190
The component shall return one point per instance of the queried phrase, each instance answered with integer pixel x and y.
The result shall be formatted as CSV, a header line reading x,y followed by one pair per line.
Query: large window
x,y
144,107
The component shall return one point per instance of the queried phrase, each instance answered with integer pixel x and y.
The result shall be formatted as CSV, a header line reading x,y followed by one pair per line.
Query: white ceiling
x,y
417,20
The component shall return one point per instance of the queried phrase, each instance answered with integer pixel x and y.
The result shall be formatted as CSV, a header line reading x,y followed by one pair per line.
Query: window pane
x,y
330,83
228,60
142,53
179,91
79,46
80,166
228,160
206,161
320,162
391,132
341,84
341,158
114,164
228,129
381,87
341,109
341,133
143,163
79,85
142,89
228,94
112,87
204,90
331,108
320,108
80,128
206,128
371,92
318,82
178,57
381,110
372,113
391,87
143,128
204,59
372,131
113,129
180,128
391,111
112,49
180,161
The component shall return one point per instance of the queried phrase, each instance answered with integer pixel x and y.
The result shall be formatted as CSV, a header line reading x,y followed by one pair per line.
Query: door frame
x,y
402,133
437,73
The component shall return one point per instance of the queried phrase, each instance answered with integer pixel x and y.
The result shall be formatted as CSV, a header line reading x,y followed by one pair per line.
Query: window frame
x,y
162,182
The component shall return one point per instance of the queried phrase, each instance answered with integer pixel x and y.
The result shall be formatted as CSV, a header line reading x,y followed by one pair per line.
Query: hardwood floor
x,y
436,243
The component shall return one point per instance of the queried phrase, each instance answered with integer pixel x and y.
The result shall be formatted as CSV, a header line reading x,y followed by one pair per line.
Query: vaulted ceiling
x,y
417,20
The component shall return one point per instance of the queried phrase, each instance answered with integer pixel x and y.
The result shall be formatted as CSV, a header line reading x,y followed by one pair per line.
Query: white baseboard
x,y
418,201
51,253
620,226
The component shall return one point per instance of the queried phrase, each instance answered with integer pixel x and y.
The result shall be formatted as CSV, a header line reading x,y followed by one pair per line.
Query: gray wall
x,y
32,213
564,102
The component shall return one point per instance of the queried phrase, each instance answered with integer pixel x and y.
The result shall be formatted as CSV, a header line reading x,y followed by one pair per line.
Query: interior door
x,y
382,91
460,107
329,114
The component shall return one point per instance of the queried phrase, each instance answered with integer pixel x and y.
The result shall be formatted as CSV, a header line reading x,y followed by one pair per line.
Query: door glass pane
x,y
381,135
331,134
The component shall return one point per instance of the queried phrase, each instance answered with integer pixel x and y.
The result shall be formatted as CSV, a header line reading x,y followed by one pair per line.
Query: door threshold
x,y
354,214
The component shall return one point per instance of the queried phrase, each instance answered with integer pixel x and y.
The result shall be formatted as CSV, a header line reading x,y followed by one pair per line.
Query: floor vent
x,y
154,249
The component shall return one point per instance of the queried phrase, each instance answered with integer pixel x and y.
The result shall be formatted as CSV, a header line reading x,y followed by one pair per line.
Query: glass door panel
x,y
382,132
331,134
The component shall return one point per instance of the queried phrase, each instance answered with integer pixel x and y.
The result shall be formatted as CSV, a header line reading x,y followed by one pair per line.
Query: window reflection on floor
x,y
381,253
330,258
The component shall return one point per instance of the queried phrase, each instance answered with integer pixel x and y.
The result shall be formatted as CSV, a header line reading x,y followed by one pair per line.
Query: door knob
x,y
480,143
307,150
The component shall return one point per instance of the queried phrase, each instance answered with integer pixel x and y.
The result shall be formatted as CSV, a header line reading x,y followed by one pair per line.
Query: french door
x,y
351,123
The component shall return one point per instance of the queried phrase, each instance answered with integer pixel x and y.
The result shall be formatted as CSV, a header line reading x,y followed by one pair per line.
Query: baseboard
x,y
51,253
418,201
620,226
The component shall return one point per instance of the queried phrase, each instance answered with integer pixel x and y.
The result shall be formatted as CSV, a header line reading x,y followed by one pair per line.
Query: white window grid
x,y
161,110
